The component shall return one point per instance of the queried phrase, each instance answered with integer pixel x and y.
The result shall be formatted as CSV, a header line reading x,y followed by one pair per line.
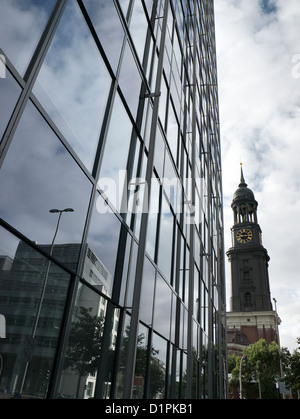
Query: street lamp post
x,y
279,348
37,317
240,375
277,332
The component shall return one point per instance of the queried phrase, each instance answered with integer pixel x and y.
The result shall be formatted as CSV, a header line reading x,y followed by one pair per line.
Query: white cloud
x,y
259,95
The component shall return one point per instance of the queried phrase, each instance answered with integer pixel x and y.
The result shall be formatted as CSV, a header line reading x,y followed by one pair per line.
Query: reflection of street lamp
x,y
48,267
37,317
58,221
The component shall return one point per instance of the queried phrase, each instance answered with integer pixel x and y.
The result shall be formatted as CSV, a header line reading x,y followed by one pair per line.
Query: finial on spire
x,y
242,181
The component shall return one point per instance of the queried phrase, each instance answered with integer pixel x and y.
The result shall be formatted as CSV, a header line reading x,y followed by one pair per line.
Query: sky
x,y
258,59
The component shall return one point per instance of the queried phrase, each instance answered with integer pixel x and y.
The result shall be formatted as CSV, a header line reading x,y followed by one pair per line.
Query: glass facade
x,y
111,246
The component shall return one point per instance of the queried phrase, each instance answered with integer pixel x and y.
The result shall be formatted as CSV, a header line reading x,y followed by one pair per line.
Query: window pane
x,y
124,5
172,130
162,307
103,240
165,240
147,292
140,363
173,318
183,326
73,84
33,293
37,175
163,102
153,217
130,80
108,27
159,153
126,264
138,29
21,26
114,164
158,368
80,372
131,276
9,93
123,356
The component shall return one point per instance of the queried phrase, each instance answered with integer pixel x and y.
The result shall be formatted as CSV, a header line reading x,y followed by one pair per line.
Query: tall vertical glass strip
x,y
111,246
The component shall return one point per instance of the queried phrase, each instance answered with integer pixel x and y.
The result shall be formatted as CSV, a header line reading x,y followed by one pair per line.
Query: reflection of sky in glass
x,y
103,238
124,5
106,21
160,345
138,29
130,80
73,84
162,307
9,92
165,241
152,217
21,25
147,292
116,152
37,175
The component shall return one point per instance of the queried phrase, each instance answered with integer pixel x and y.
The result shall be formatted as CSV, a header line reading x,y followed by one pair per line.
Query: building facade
x,y
111,246
251,316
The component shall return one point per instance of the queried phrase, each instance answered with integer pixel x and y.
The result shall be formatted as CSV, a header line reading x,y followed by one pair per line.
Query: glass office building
x,y
111,236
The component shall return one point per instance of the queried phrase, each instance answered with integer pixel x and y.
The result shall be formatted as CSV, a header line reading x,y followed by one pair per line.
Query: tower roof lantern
x,y
243,193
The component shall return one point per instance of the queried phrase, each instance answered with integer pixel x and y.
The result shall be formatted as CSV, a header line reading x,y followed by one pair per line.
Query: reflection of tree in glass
x,y
157,376
199,376
157,368
84,346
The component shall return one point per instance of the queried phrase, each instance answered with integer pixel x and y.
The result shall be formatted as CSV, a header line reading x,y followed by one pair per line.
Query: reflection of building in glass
x,y
20,293
112,110
5,263
94,271
24,291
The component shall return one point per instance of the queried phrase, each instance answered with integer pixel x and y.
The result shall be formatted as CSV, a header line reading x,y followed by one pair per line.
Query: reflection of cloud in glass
x,y
39,174
9,92
147,292
21,25
106,21
130,80
138,28
165,241
103,238
160,346
73,84
124,5
162,307
152,220
116,150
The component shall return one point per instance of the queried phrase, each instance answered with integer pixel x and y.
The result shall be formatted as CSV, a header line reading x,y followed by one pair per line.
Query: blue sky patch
x,y
268,6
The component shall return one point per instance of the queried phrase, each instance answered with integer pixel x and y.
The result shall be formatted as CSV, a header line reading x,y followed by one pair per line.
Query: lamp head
x,y
54,210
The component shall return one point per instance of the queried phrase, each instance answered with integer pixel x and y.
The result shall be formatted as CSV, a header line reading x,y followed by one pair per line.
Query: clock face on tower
x,y
244,235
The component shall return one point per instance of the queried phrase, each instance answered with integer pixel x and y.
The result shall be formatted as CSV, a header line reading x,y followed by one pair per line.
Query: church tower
x,y
251,316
